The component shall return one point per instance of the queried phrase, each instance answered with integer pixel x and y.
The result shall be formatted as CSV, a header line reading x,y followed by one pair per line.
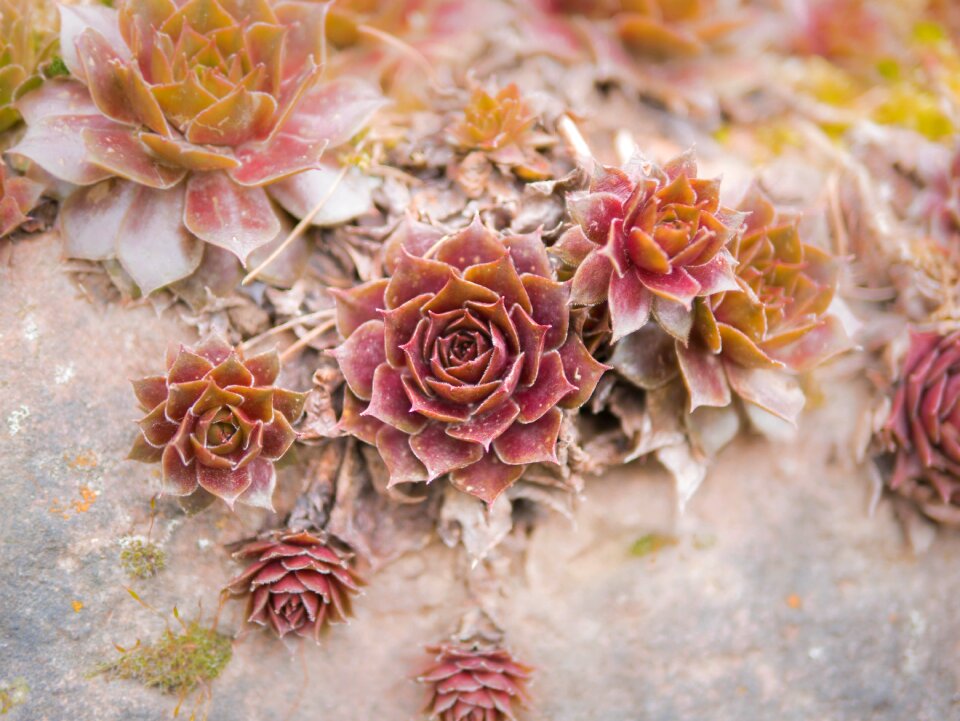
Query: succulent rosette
x,y
18,196
649,241
922,430
27,44
461,362
656,29
474,681
184,122
217,424
296,582
501,126
776,319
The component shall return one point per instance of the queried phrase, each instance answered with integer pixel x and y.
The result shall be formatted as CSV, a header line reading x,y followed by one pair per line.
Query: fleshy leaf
x,y
56,144
487,478
119,151
581,369
704,377
229,216
441,453
358,304
90,218
389,402
630,304
772,390
351,198
359,357
154,247
531,442
550,387
403,465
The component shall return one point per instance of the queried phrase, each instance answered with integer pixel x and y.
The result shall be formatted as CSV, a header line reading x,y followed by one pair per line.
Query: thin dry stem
x,y
398,44
574,138
298,230
292,323
295,348
625,144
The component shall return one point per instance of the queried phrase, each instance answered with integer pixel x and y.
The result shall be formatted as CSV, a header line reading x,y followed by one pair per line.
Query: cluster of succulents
x,y
28,47
182,125
478,299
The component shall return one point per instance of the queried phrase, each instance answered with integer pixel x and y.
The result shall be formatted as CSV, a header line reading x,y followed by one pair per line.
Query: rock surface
x,y
782,598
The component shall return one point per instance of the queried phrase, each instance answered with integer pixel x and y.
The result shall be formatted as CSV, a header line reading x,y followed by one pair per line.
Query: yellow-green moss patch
x,y
177,662
142,559
13,694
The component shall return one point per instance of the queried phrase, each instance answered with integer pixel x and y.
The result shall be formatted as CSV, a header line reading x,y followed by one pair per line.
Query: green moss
x,y
177,662
142,559
13,694
651,543
56,68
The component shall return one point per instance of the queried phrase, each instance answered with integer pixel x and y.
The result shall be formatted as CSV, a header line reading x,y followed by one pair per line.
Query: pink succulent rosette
x,y
216,423
18,196
648,241
922,430
185,120
295,582
461,362
474,681
775,322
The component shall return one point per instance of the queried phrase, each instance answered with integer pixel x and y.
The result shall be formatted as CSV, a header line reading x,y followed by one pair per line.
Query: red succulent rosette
x,y
461,362
297,582
649,240
18,196
216,423
776,320
474,681
180,116
923,428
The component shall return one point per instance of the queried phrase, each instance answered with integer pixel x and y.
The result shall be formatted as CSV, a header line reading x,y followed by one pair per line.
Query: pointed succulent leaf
x,y
154,247
220,212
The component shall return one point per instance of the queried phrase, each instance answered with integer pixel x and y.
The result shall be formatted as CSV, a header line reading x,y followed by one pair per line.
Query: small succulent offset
x,y
922,430
18,196
502,127
27,47
461,362
474,680
649,241
180,117
776,319
216,423
297,582
656,29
